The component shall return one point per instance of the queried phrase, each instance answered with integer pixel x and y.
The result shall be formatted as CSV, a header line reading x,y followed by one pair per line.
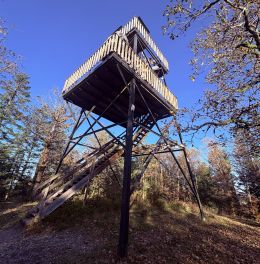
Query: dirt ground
x,y
169,234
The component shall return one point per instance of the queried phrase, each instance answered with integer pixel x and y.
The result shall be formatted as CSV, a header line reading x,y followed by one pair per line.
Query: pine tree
x,y
6,164
13,103
14,99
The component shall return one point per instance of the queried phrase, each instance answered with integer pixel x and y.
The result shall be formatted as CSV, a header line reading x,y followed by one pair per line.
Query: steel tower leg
x,y
124,219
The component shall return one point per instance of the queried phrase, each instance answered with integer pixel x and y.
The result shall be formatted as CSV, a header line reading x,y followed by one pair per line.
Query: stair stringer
x,y
48,205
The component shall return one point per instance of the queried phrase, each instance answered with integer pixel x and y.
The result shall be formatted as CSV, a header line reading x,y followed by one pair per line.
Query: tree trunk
x,y
43,162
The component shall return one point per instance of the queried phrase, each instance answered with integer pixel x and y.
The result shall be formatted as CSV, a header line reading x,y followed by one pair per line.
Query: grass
x,y
75,213
165,232
11,213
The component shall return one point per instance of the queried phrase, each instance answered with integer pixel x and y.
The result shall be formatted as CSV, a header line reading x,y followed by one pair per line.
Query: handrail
x,y
136,23
116,44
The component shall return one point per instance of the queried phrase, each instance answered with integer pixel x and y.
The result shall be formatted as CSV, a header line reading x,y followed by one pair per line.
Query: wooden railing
x,y
137,24
116,44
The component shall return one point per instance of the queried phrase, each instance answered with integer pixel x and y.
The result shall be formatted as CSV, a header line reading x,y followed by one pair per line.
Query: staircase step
x,y
83,175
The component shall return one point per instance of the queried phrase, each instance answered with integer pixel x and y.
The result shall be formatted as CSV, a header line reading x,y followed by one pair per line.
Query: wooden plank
x,y
122,50
114,47
91,62
105,47
111,43
43,184
119,46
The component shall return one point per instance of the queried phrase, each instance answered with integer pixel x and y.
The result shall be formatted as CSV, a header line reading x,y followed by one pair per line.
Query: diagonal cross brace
x,y
192,185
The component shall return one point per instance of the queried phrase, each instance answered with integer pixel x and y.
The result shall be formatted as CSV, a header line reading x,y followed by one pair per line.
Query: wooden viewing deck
x,y
98,77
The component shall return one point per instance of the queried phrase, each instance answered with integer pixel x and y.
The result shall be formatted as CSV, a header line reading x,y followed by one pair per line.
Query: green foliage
x,y
205,185
13,103
6,164
14,99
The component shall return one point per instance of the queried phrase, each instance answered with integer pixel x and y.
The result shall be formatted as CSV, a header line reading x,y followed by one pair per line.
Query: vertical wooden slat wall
x,y
116,44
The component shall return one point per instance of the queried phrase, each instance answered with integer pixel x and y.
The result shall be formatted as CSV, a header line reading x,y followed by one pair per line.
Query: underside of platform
x,y
105,82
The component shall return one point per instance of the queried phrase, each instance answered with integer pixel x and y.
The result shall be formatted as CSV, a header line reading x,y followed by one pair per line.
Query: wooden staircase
x,y
59,188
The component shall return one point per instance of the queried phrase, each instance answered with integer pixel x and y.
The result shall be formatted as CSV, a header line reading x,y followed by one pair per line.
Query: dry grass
x,y
162,233
11,213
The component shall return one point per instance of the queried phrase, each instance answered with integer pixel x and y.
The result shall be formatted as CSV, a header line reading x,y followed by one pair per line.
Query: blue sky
x,y
55,37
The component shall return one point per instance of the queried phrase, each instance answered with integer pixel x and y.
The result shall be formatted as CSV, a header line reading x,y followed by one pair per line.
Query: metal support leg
x,y
124,220
196,193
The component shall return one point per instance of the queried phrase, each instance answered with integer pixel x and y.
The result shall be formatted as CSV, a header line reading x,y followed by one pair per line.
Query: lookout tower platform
x,y
129,53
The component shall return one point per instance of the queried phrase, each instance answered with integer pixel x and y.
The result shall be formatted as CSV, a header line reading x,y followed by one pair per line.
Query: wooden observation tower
x,y
124,83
